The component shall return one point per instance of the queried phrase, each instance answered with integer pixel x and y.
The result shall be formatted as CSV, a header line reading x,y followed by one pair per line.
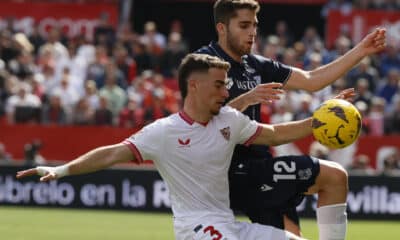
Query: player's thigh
x,y
214,231
282,179
330,173
258,231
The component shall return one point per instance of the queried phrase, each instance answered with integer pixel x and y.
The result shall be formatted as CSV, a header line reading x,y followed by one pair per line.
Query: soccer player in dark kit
x,y
268,189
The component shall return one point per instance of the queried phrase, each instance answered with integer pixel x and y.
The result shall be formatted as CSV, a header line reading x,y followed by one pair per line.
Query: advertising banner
x,y
358,23
144,190
73,18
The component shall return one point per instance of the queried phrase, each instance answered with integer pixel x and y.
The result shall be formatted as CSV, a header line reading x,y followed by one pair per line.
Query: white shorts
x,y
213,230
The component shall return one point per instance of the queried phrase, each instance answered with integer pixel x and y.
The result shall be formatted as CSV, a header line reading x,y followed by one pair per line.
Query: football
x,y
336,123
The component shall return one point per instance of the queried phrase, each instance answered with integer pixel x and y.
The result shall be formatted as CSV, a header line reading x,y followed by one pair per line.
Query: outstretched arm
x,y
97,159
325,75
277,134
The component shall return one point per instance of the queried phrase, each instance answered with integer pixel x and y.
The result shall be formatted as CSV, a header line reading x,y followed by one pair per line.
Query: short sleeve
x,y
147,143
248,129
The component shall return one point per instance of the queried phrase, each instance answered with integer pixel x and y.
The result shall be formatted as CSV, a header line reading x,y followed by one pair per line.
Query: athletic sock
x,y
332,222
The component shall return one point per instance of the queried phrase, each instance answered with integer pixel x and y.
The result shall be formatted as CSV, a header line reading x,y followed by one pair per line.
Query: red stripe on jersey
x,y
135,151
255,135
186,117
189,120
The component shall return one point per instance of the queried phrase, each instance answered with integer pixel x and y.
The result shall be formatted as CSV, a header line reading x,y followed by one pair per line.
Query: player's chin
x,y
215,111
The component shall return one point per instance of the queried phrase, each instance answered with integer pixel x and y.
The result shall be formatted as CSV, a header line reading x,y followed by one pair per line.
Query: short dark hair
x,y
196,62
224,10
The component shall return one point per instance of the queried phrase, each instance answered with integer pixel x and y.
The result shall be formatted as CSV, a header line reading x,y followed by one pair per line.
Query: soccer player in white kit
x,y
192,151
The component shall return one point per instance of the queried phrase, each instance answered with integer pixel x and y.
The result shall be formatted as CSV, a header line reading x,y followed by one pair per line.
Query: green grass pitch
x,y
20,223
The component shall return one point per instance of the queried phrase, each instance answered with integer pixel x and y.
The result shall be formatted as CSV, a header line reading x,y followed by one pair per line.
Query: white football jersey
x,y
194,158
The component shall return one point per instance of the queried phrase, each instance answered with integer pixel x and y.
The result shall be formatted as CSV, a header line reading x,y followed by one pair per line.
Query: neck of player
x,y
228,51
196,112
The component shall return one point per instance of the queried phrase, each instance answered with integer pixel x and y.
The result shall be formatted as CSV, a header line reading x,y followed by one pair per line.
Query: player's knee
x,y
337,176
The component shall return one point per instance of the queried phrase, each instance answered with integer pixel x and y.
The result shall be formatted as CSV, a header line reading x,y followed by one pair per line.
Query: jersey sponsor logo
x,y
265,188
226,133
229,83
184,142
249,83
304,174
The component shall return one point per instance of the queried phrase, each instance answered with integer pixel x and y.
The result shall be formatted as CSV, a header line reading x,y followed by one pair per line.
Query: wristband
x,y
59,171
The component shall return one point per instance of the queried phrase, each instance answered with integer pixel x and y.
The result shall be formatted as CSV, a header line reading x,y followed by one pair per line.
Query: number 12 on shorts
x,y
284,171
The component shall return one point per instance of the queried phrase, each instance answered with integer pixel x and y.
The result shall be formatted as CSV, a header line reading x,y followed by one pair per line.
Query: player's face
x,y
241,32
212,90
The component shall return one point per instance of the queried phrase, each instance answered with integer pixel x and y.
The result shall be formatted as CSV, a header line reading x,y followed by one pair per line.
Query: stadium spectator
x,y
390,60
391,163
96,69
154,41
83,114
391,86
285,36
23,106
361,165
104,33
69,97
392,120
116,96
143,58
345,6
367,71
124,63
91,93
363,93
158,109
5,157
362,107
36,39
132,116
172,56
376,116
53,112
103,115
305,108
58,51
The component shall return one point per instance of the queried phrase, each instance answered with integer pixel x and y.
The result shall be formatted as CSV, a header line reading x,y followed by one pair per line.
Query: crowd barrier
x,y
67,142
144,190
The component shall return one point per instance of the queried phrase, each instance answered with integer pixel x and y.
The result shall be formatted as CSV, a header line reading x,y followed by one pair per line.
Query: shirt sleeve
x,y
248,129
273,71
147,143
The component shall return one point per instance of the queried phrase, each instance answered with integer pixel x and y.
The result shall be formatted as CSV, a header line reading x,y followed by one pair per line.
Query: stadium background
x,y
375,193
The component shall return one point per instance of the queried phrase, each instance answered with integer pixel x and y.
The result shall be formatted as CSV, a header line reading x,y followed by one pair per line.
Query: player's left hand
x,y
346,94
46,173
374,42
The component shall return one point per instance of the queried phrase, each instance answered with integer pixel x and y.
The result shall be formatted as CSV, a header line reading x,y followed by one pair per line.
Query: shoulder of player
x,y
257,59
228,112
205,50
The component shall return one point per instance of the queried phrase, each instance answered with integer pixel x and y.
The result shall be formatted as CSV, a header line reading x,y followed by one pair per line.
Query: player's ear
x,y
192,84
221,28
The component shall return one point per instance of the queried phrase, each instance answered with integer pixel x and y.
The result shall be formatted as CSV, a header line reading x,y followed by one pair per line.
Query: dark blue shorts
x,y
266,188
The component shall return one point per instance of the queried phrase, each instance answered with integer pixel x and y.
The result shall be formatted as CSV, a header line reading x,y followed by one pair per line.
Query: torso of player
x,y
197,165
193,158
246,75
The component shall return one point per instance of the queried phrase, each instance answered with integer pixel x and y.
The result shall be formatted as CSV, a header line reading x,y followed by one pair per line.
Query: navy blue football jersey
x,y
244,76
252,71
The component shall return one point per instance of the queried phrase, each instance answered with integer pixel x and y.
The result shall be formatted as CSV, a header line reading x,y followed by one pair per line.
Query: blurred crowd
x,y
127,79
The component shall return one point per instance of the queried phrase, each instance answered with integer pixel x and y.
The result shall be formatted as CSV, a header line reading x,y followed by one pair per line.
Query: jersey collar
x,y
185,117
221,53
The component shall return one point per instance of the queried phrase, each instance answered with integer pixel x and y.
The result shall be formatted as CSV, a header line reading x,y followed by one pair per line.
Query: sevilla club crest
x,y
226,133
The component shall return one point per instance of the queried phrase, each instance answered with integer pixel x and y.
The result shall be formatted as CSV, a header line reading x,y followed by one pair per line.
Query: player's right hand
x,y
264,93
46,173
